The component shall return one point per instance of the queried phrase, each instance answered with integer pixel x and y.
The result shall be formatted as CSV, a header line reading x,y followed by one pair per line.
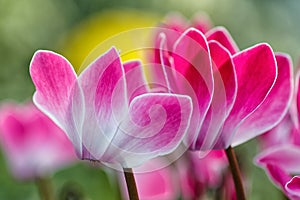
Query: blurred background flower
x,y
34,146
74,27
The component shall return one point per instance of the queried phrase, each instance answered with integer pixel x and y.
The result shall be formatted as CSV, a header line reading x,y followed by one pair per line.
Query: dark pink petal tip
x,y
293,186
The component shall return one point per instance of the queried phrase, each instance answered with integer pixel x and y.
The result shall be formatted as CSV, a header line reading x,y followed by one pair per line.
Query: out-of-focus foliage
x,y
28,25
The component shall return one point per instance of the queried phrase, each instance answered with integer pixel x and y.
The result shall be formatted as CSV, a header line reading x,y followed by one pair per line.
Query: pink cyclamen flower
x,y
280,157
245,93
106,111
34,146
152,184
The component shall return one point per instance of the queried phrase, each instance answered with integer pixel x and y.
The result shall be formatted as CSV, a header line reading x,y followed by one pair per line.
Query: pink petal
x,y
53,77
103,85
277,175
225,89
135,80
192,61
284,156
293,187
155,126
280,134
297,89
256,73
221,35
164,39
58,93
274,107
160,72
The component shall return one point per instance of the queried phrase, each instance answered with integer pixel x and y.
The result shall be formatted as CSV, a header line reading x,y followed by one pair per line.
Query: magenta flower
x,y
33,145
280,157
236,95
280,163
106,111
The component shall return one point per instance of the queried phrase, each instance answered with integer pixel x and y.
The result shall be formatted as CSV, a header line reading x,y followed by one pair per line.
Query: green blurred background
x,y
72,26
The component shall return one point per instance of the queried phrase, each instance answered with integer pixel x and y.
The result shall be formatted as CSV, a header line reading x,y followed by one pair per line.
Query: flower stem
x,y
45,188
236,174
131,185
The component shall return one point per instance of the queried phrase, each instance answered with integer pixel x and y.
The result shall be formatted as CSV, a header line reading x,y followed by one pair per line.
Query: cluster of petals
x,y
33,145
237,95
107,111
281,151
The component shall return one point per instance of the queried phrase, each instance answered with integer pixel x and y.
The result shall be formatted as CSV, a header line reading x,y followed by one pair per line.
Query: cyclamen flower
x,y
34,146
107,111
280,156
245,93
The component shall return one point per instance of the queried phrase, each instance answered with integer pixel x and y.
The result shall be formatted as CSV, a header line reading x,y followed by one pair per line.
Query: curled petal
x,y
155,126
274,107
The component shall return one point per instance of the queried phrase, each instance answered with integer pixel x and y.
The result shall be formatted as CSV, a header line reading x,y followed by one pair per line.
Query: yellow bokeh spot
x,y
103,28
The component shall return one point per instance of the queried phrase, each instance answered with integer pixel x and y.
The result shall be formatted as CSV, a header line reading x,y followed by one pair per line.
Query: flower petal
x,y
280,134
284,156
53,77
225,89
277,175
155,126
256,73
297,89
192,61
160,71
274,107
58,94
221,35
103,85
135,80
293,187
